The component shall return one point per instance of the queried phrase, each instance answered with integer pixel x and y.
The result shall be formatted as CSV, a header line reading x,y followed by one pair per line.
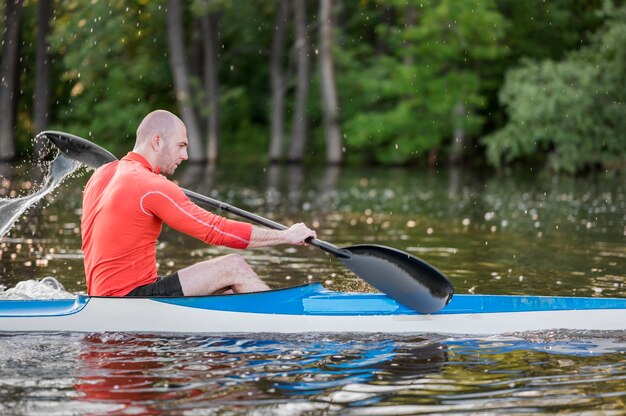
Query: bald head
x,y
162,141
159,122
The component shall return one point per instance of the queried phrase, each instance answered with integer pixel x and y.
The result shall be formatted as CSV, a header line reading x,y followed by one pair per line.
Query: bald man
x,y
124,206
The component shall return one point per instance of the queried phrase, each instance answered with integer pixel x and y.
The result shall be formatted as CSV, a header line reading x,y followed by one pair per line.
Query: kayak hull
x,y
311,308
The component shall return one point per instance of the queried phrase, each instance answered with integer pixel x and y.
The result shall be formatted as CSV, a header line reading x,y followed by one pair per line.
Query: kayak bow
x,y
311,308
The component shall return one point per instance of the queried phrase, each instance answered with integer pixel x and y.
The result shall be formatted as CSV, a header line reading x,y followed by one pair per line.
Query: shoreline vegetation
x,y
503,83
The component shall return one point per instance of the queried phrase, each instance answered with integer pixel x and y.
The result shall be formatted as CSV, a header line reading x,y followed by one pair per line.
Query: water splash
x,y
12,208
46,288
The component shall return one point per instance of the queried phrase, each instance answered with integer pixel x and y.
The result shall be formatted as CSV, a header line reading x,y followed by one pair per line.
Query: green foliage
x,y
114,67
409,73
535,30
571,111
240,134
548,29
421,71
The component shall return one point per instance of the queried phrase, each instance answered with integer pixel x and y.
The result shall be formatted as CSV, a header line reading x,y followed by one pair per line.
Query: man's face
x,y
172,152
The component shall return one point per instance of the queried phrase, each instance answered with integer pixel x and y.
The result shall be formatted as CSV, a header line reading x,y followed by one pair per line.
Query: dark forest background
x,y
406,82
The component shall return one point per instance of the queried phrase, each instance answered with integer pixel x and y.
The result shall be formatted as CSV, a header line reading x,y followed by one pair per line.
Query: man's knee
x,y
237,263
244,279
229,272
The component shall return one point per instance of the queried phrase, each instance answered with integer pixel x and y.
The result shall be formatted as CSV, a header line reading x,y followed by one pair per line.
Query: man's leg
x,y
220,275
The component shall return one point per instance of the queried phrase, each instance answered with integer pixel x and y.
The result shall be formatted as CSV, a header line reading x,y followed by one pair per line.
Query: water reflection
x,y
295,190
366,375
273,187
455,174
199,177
131,371
328,189
300,189
139,372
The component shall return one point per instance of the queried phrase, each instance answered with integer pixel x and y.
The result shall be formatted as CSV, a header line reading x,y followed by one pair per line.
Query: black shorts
x,y
165,286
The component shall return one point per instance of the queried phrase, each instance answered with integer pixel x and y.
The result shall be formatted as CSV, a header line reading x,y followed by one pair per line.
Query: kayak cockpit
x,y
310,299
48,307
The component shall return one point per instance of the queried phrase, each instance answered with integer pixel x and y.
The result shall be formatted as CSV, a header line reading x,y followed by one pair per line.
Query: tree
x,y
181,79
424,78
535,30
299,133
210,42
330,105
278,82
42,75
568,112
415,78
8,78
110,68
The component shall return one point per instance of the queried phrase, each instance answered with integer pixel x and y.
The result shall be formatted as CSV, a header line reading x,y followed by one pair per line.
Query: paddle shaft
x,y
323,245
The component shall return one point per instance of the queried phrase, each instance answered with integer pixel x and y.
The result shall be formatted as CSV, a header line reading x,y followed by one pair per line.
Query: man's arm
x,y
165,200
296,234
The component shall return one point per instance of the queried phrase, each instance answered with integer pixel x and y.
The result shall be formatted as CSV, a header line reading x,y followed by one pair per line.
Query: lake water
x,y
514,233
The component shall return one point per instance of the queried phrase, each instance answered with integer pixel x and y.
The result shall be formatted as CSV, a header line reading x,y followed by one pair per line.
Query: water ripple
x,y
122,373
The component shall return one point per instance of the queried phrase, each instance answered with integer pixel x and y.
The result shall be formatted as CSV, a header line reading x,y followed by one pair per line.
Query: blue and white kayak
x,y
311,308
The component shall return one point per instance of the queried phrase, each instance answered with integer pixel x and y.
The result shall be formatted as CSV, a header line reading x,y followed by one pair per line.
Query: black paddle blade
x,y
413,282
79,149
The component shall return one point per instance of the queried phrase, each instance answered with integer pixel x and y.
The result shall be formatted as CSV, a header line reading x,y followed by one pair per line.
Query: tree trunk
x,y
41,113
181,78
457,150
8,78
332,132
278,84
210,40
299,128
387,18
410,20
433,158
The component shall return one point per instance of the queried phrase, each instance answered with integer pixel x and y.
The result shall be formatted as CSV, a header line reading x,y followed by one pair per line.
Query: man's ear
x,y
155,142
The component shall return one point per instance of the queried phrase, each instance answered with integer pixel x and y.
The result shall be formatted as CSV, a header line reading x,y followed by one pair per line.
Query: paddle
x,y
404,277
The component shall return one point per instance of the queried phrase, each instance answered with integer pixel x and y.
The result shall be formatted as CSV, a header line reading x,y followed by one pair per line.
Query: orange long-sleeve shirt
x,y
124,206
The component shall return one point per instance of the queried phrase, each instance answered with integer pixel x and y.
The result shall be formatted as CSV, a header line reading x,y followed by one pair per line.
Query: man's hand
x,y
297,233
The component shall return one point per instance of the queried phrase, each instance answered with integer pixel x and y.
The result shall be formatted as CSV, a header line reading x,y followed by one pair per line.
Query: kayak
x,y
311,308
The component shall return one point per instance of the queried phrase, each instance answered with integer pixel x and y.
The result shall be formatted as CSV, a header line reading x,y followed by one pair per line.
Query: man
x,y
124,206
